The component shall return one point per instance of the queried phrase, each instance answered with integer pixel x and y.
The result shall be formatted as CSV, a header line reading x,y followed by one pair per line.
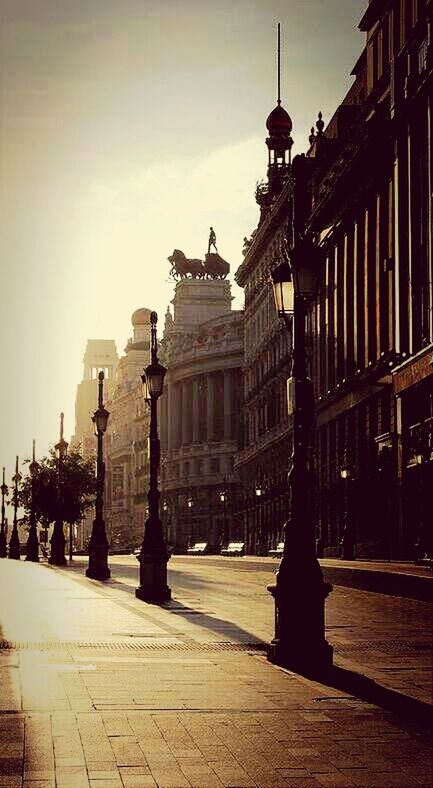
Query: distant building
x,y
200,414
126,444
101,354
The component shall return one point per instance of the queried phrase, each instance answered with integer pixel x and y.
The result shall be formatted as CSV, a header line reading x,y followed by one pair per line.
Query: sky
x,y
127,128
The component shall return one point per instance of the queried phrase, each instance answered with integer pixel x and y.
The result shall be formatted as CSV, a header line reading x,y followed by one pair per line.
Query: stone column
x,y
184,414
228,380
210,408
195,410
174,416
170,406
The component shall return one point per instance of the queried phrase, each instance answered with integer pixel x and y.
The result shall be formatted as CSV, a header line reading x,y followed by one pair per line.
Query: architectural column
x,y
184,414
228,389
195,411
175,416
170,416
210,408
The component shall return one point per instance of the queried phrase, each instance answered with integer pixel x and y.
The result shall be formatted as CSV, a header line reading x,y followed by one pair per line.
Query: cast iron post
x,y
57,540
98,545
300,590
4,492
153,557
14,544
32,547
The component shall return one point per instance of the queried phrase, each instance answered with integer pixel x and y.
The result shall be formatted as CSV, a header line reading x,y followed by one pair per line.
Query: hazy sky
x,y
127,128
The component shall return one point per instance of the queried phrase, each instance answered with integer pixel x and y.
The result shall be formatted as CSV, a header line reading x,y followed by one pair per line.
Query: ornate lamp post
x,y
32,548
98,545
153,556
347,542
223,499
258,492
4,491
190,504
57,540
300,590
14,544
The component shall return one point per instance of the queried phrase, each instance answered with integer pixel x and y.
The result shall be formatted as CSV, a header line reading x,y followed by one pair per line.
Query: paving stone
x,y
10,781
106,783
170,778
39,784
10,766
138,781
367,778
126,751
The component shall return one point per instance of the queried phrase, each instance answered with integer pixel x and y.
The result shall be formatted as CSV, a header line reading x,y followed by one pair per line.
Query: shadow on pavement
x,y
339,678
177,608
368,690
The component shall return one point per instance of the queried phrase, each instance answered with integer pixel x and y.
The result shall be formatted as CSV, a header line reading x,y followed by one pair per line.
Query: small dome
x,y
141,317
279,120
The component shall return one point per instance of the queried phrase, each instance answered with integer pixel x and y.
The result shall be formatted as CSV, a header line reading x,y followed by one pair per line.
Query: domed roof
x,y
279,120
141,317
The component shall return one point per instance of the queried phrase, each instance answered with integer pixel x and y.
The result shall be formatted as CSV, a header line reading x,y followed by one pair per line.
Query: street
x,y
100,689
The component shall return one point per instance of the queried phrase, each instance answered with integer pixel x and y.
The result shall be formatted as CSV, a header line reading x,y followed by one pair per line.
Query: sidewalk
x,y
102,690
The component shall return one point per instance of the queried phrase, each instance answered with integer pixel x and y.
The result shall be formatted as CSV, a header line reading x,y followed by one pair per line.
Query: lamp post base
x,y
32,547
57,555
98,565
153,586
98,552
299,643
14,546
294,656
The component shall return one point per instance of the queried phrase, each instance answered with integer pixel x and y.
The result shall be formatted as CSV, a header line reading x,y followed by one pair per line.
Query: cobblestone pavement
x,y
99,689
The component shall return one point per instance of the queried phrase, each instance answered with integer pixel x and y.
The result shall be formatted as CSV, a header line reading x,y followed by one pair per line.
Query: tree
x,y
77,489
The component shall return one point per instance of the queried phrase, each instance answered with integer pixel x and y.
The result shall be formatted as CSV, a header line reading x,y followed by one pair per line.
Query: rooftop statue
x,y
212,240
212,267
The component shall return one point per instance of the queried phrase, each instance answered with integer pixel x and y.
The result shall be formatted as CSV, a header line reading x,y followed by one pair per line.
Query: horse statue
x,y
182,266
213,266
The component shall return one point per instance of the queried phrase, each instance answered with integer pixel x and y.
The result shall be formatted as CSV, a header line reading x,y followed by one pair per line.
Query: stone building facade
x,y
262,460
200,414
363,192
100,354
126,442
373,321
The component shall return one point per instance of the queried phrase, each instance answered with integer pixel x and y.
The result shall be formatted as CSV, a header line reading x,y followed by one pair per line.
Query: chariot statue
x,y
212,267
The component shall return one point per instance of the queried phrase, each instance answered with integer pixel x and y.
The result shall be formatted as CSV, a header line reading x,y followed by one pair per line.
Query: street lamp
x,y
153,555
190,504
14,544
300,590
98,545
347,542
32,547
57,541
4,491
223,499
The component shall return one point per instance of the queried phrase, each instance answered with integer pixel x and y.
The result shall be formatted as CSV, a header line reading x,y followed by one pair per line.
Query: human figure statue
x,y
212,241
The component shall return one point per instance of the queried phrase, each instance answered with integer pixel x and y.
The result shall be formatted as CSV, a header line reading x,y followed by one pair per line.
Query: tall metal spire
x,y
278,64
